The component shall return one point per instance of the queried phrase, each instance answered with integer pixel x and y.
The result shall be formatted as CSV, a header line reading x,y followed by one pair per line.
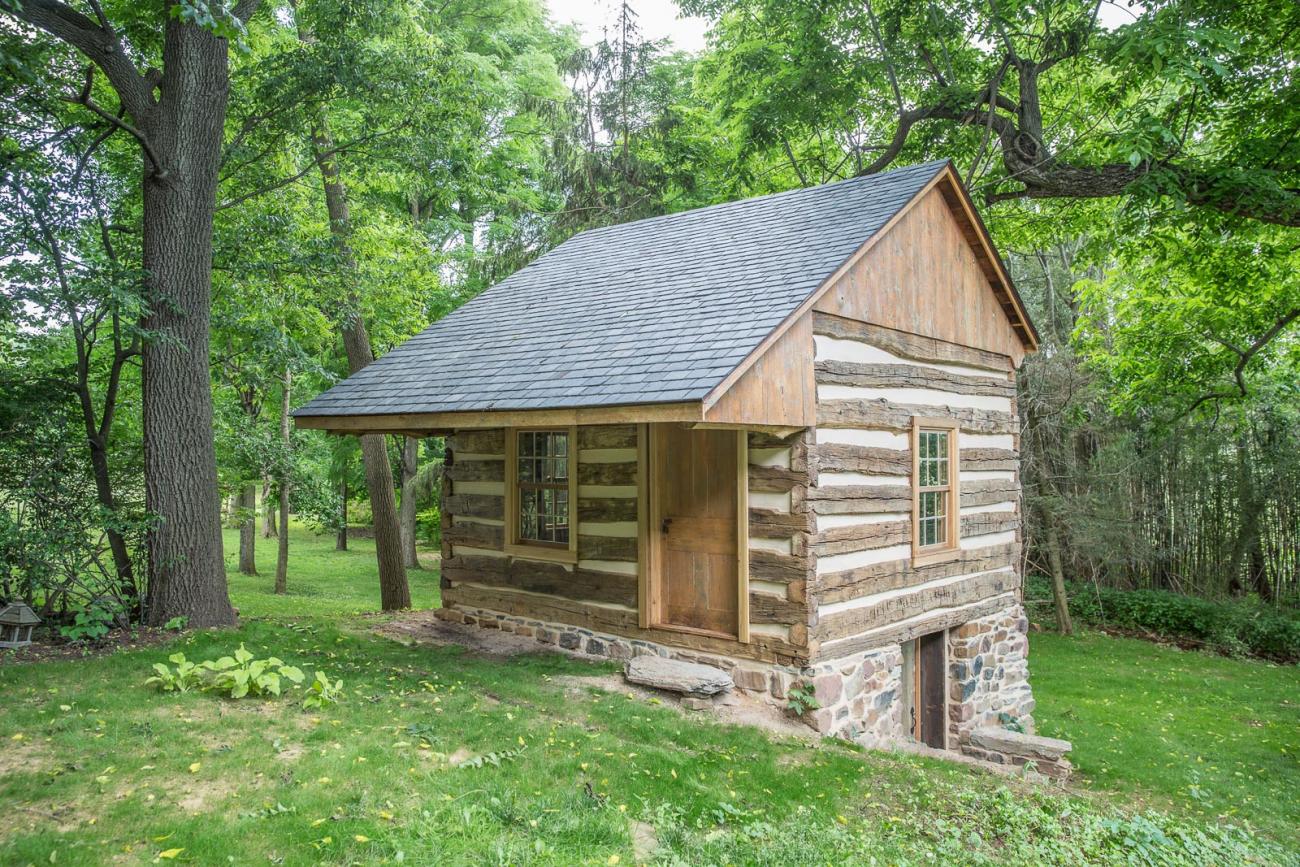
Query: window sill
x,y
538,552
924,557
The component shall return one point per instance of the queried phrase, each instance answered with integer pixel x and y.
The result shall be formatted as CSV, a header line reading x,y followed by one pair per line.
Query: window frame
x,y
531,548
950,547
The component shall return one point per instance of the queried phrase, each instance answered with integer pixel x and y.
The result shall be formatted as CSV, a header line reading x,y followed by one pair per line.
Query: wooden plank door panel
x,y
931,696
697,527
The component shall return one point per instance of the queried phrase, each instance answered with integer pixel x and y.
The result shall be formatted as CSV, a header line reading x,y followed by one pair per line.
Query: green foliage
x,y
1235,627
801,698
88,624
241,674
322,691
176,624
185,677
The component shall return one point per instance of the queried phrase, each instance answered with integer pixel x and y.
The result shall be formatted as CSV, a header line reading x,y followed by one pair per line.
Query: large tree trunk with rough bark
x,y
282,558
248,529
186,128
410,466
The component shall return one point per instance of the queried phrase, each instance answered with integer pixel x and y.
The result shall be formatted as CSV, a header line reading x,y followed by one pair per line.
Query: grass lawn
x,y
438,757
1211,736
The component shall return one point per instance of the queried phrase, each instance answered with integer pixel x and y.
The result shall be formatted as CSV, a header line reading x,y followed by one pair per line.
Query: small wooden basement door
x,y
699,573
925,689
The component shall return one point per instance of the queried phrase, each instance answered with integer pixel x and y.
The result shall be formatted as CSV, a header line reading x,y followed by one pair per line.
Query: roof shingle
x,y
653,311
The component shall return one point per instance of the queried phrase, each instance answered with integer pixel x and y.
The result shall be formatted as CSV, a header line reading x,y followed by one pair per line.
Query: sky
x,y
661,19
658,19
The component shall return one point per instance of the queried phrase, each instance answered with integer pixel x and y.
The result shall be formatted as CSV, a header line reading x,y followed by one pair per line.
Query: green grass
x,y
1207,735
322,582
97,768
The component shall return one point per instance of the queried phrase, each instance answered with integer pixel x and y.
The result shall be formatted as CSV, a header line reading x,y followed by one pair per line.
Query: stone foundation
x,y
861,696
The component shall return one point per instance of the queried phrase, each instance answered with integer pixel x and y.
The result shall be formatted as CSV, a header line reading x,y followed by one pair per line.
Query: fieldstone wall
x,y
988,675
861,696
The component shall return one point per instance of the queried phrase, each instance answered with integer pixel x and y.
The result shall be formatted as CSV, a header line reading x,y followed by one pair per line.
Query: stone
x,y
780,683
596,648
677,676
827,688
1033,747
692,703
752,679
570,640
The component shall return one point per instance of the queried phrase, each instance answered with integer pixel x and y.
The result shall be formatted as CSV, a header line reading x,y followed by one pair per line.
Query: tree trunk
x,y
341,543
247,529
282,558
186,130
410,466
268,514
394,592
1058,576
116,543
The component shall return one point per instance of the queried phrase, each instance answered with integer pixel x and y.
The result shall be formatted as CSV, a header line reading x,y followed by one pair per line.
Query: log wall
x,y
871,382
601,590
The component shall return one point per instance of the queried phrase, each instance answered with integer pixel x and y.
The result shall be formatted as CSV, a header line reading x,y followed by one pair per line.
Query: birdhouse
x,y
16,621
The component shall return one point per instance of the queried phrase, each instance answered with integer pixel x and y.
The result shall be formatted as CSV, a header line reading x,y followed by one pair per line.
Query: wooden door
x,y
930,692
696,494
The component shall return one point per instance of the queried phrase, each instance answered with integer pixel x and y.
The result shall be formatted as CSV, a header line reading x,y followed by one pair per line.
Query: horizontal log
x,y
537,576
901,633
478,442
606,548
989,522
843,624
768,524
986,493
622,436
852,499
605,509
475,535
897,417
607,474
769,608
847,458
477,471
768,648
907,345
475,505
766,440
866,375
767,565
891,575
775,479
861,537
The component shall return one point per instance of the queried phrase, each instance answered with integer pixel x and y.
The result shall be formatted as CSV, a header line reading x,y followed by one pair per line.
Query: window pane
x,y
543,476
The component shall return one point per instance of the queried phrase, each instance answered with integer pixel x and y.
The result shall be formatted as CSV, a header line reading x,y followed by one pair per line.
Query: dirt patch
x,y
421,627
24,757
733,708
53,647
200,795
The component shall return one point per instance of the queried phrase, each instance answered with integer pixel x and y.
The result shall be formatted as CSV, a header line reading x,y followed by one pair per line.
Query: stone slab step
x,y
674,675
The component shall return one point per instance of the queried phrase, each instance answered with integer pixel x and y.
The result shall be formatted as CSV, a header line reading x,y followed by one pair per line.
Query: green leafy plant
x,y
801,698
323,691
241,674
176,624
183,678
494,759
90,623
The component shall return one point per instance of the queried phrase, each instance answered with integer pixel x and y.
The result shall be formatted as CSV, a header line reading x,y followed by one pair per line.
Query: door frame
x,y
916,729
650,515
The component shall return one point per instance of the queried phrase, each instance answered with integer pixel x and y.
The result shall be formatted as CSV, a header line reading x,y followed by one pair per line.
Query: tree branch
x,y
1243,358
84,98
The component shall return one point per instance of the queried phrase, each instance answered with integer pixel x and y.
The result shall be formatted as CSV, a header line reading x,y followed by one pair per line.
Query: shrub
x,y
241,674
1234,627
323,691
185,677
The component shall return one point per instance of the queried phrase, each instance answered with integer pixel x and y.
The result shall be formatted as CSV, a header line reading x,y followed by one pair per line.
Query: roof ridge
x,y
935,165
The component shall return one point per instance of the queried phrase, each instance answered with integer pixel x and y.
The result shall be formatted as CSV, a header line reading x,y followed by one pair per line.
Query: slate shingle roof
x,y
654,311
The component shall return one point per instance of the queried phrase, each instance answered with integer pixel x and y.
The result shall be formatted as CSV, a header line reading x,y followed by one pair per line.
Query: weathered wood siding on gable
x,y
922,277
871,382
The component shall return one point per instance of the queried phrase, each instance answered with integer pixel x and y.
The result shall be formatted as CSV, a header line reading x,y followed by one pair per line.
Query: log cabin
x,y
778,436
